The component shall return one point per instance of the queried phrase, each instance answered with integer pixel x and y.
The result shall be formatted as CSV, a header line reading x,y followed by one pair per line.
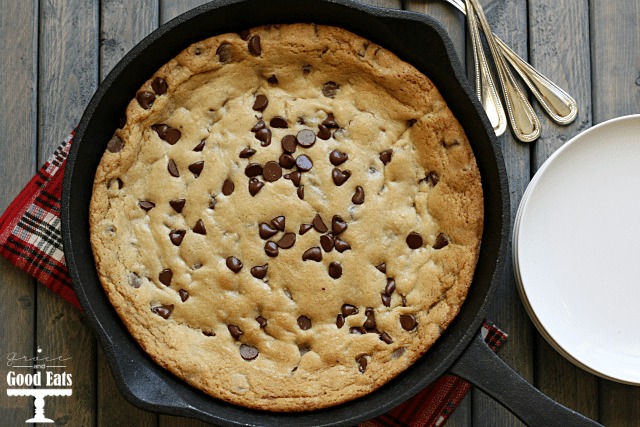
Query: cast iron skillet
x,y
417,39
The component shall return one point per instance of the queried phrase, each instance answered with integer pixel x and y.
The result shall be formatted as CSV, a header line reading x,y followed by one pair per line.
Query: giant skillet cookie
x,y
289,217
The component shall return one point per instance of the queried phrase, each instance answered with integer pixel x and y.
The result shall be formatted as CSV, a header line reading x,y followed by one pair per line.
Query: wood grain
x,y
122,25
68,77
559,34
509,21
615,43
18,38
18,96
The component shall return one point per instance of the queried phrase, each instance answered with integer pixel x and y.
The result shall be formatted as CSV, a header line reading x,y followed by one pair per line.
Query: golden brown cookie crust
x,y
429,186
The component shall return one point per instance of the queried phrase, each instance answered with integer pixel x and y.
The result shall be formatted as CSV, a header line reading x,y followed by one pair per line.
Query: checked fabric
x,y
30,238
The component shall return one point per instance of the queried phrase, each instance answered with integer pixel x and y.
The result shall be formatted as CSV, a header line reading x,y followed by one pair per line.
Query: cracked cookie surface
x,y
289,218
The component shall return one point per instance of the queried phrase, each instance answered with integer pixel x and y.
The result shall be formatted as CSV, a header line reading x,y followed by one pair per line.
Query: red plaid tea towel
x,y
30,238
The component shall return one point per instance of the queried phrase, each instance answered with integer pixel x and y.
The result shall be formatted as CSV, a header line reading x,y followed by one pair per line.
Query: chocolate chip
x,y
341,245
260,103
235,331
173,168
279,222
115,144
411,122
408,322
382,268
161,129
300,192
259,271
234,264
335,270
385,156
306,69
176,236
337,158
264,136
323,132
261,321
386,338
349,310
184,295
266,230
259,125
295,177
244,34
165,276
313,254
273,80
304,228
271,249
228,187
362,364
199,228
319,224
159,86
247,152
432,178
289,143
330,89
255,185
414,240
357,330
326,241
300,120
386,300
145,99
253,169
272,171
330,122
224,52
304,323
173,136
248,353
163,311
441,241
200,146
287,161
358,196
304,163
306,138
370,323
196,168
338,225
390,287
254,46
212,202
134,280
340,321
287,240
404,301
340,177
278,122
146,205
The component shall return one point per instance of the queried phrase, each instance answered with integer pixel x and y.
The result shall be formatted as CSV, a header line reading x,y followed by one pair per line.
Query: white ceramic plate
x,y
576,250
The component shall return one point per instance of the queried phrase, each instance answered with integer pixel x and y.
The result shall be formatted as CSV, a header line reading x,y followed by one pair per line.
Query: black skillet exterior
x,y
417,39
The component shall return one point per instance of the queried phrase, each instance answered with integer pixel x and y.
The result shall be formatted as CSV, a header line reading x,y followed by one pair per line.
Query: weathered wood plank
x,y
18,39
615,43
68,78
559,48
509,21
122,25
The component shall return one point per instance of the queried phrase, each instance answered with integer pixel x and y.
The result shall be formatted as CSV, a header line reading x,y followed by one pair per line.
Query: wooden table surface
x,y
53,55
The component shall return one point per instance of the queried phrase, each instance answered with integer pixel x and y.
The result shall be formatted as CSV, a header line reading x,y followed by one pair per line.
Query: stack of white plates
x,y
576,250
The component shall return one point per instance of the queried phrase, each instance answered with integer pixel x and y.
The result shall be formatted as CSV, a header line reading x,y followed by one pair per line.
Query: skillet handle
x,y
479,365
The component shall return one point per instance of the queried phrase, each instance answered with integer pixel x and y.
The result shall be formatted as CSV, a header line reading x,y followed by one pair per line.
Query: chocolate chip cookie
x,y
289,217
